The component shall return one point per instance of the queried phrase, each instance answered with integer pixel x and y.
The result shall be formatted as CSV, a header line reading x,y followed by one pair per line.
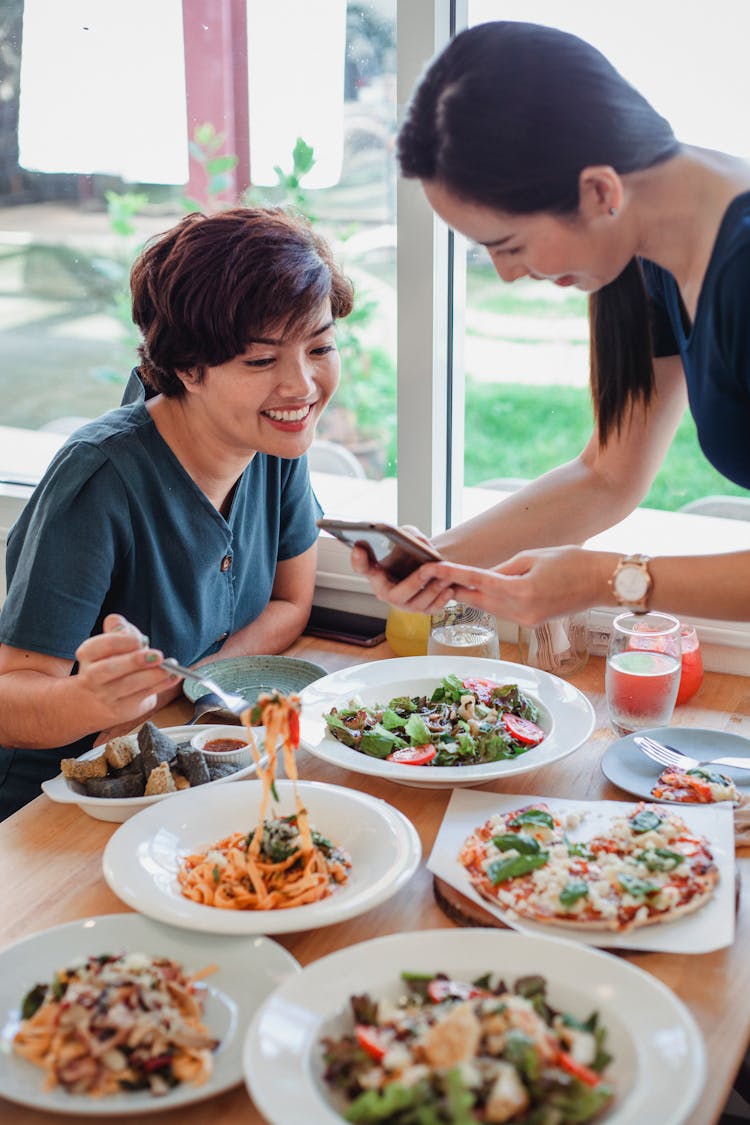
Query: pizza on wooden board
x,y
645,867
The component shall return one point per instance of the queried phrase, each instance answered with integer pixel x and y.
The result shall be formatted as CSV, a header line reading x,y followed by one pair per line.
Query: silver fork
x,y
669,756
234,703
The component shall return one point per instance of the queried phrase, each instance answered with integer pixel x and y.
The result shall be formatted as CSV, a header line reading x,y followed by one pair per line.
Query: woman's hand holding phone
x,y
411,592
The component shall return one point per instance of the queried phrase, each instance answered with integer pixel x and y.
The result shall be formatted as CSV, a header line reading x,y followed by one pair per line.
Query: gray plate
x,y
249,675
627,766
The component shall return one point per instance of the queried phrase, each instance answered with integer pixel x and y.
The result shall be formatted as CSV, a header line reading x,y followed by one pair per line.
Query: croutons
x,y
78,769
453,1040
120,751
508,1096
160,780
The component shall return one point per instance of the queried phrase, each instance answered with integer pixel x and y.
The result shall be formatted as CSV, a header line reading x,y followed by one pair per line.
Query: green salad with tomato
x,y
462,1052
465,722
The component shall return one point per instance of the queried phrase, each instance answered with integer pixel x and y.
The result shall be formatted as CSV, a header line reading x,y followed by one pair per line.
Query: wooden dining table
x,y
52,874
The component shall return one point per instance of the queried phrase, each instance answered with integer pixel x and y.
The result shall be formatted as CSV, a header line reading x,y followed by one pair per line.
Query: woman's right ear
x,y
189,378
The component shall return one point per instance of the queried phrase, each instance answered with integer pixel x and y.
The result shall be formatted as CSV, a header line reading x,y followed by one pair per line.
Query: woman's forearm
x,y
42,711
277,627
567,505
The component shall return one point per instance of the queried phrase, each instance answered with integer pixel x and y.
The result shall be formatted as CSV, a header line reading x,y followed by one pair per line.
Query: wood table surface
x,y
51,858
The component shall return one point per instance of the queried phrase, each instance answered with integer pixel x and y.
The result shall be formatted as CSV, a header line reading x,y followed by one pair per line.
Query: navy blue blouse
x,y
715,350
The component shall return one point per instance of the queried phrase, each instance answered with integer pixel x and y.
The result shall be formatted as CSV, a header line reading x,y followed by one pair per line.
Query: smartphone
x,y
396,551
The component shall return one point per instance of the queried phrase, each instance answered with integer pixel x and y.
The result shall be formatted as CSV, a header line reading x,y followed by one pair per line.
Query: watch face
x,y
631,583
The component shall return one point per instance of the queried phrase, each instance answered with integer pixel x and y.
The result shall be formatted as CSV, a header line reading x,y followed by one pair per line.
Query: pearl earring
x,y
613,211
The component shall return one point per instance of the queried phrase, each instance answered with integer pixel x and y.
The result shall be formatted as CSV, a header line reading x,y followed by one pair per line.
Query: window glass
x,y
526,351
73,215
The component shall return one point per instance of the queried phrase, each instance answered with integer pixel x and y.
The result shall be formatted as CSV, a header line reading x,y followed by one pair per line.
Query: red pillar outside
x,y
215,37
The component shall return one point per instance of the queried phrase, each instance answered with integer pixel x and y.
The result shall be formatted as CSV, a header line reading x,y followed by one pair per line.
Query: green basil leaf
x,y
710,776
660,859
532,816
573,890
510,866
645,821
525,845
638,888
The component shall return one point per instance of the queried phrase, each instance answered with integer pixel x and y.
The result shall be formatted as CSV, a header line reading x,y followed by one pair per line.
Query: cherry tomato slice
x,y
370,1041
523,730
578,1070
413,755
441,989
482,689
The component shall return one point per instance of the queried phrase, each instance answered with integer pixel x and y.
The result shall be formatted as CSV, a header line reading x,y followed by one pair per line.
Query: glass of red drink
x,y
691,677
644,664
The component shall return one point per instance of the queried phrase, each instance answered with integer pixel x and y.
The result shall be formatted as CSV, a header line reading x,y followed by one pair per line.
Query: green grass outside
x,y
518,431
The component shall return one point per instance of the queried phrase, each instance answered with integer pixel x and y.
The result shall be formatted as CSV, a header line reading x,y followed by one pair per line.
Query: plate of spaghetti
x,y
292,846
145,857
120,1015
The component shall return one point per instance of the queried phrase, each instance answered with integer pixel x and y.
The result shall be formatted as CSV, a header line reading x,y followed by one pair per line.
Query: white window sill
x,y
25,454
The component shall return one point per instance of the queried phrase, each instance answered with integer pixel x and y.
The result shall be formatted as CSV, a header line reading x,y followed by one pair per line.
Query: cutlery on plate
x,y
234,703
669,756
206,704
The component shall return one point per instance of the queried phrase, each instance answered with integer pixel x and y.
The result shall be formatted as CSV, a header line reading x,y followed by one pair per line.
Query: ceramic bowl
x,y
240,754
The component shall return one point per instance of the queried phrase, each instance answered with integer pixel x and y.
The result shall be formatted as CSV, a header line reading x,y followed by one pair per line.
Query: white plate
x,y
120,808
142,858
711,927
659,1063
565,714
627,766
248,969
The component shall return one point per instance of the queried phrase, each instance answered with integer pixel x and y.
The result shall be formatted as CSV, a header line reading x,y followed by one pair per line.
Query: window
x,y
65,246
93,161
526,336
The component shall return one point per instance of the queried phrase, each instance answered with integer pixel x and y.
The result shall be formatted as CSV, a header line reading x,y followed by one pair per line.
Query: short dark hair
x,y
208,286
507,116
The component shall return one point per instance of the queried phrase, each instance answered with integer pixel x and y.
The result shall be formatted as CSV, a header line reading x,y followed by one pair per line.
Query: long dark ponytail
x,y
507,116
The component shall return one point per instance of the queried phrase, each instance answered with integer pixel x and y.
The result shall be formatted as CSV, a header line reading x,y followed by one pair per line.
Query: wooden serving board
x,y
462,910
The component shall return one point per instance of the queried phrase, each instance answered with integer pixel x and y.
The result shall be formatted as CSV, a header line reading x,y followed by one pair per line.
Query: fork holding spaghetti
x,y
283,862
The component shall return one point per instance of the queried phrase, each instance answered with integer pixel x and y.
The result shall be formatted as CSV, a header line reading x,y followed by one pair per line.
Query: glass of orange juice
x,y
406,632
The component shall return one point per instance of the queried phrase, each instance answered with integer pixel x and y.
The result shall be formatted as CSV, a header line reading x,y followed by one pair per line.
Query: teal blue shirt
x,y
116,525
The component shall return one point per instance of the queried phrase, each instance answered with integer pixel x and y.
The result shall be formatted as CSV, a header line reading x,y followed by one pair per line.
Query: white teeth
x,y
288,415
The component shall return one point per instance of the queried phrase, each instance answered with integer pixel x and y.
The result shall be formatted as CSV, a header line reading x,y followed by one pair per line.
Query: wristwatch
x,y
631,583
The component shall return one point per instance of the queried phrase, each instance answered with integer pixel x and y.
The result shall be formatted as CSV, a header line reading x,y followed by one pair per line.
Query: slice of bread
x,y
78,769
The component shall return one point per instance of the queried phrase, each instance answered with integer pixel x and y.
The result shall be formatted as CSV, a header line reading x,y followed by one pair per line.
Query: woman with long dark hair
x,y
187,515
530,143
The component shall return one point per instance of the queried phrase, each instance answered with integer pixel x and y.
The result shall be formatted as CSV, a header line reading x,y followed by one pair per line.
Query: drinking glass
x,y
692,664
461,630
643,670
559,646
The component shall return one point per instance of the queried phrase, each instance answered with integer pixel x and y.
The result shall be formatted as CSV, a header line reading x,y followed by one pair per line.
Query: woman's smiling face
x,y
268,399
567,250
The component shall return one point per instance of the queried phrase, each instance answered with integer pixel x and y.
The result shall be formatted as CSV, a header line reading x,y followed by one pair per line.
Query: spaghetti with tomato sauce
x,y
282,863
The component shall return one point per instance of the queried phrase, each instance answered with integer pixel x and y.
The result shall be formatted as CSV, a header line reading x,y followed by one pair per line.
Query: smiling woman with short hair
x,y
186,515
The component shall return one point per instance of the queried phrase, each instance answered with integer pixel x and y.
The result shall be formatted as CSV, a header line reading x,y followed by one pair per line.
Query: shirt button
x,y
226,562
222,638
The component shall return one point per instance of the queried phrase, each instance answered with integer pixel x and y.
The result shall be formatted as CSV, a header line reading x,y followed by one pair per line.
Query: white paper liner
x,y
709,928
